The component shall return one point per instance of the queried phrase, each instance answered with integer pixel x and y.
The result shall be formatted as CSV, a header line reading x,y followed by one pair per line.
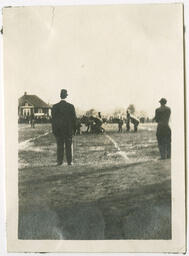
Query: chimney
x,y
25,93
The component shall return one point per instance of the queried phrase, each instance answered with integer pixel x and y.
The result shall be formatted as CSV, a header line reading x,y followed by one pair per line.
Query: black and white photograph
x,y
95,103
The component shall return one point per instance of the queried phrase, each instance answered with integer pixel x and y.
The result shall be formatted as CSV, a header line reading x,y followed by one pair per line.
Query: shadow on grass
x,y
143,213
76,172
78,222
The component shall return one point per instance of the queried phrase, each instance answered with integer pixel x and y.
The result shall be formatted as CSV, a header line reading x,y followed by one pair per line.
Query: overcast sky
x,y
106,56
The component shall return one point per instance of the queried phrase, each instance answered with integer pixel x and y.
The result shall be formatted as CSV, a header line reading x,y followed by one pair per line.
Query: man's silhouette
x,y
63,127
163,133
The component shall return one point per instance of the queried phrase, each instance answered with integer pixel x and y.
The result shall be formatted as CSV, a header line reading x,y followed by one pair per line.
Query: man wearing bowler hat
x,y
63,127
163,133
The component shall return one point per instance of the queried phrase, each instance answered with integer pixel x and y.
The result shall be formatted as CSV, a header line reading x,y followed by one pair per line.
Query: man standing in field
x,y
120,124
32,120
63,127
163,133
128,121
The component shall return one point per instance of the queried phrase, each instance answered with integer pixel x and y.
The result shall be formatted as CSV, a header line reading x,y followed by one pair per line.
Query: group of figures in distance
x,y
94,123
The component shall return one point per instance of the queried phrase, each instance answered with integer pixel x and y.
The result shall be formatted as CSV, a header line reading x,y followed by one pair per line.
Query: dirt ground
x,y
116,189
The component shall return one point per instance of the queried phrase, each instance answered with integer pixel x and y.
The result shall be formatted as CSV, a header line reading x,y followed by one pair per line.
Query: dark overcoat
x,y
162,116
63,119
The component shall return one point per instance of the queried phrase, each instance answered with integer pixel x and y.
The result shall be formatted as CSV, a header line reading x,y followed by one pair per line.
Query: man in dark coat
x,y
120,124
32,120
63,127
163,133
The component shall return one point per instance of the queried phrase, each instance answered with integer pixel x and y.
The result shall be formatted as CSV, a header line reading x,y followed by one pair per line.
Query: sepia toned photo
x,y
95,130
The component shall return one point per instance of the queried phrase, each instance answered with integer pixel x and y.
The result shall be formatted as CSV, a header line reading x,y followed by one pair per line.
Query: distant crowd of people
x,y
94,124
130,119
32,119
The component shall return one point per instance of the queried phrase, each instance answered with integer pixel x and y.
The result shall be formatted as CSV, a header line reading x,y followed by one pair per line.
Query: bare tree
x,y
118,112
91,112
142,114
131,108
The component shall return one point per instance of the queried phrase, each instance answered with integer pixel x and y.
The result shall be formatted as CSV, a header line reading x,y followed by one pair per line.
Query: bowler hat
x,y
163,100
63,93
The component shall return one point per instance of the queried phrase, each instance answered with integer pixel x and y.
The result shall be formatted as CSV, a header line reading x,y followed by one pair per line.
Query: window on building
x,y
26,112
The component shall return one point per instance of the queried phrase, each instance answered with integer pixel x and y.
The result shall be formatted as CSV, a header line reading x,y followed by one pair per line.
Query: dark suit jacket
x,y
63,119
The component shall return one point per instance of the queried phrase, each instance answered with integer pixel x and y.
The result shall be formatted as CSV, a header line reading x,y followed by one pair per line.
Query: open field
x,y
116,189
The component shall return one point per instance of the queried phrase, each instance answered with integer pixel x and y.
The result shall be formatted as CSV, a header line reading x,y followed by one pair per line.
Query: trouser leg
x,y
164,141
60,149
169,150
169,144
168,147
162,150
162,146
68,144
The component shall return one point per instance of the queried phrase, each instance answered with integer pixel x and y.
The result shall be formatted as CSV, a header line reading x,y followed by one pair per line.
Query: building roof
x,y
33,100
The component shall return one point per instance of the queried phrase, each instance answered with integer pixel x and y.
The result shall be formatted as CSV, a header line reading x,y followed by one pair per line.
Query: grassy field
x,y
116,189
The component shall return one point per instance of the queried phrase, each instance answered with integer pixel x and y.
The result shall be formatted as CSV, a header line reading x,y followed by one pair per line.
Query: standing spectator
x,y
163,133
32,120
63,127
120,124
128,121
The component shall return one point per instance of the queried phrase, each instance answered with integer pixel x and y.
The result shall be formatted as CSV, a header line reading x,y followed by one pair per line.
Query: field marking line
x,y
121,153
24,144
